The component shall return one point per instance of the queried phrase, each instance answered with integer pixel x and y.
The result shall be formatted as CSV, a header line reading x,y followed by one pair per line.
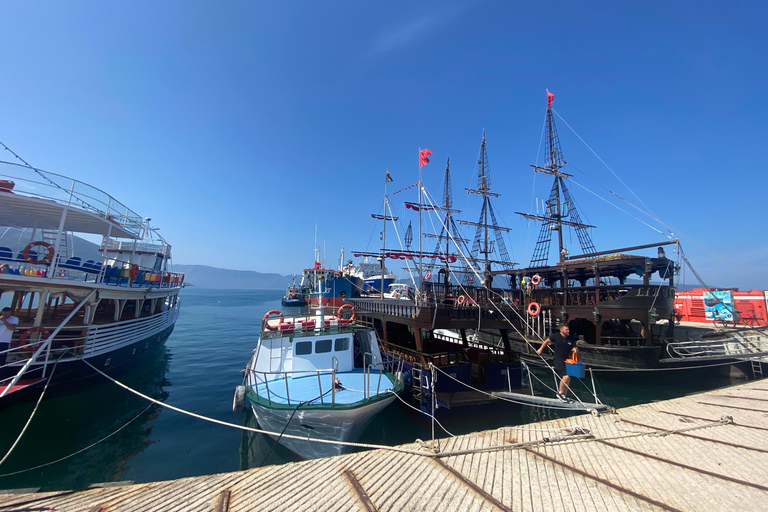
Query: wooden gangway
x,y
701,452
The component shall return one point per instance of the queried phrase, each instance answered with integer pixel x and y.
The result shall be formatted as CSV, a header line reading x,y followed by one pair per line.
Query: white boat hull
x,y
346,425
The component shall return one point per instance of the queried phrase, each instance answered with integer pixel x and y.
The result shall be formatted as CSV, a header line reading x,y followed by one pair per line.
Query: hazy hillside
x,y
204,276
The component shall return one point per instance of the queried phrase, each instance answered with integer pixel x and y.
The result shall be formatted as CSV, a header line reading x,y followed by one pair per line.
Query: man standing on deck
x,y
8,323
563,345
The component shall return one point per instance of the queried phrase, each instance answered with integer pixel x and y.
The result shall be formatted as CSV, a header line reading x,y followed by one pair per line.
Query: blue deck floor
x,y
301,389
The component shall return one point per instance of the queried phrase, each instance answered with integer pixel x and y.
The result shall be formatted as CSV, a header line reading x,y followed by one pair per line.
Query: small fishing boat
x,y
294,297
317,377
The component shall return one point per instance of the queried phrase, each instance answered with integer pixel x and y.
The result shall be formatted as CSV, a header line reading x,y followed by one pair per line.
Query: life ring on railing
x,y
62,272
4,268
26,349
461,300
347,306
534,309
28,258
536,279
270,313
134,272
167,278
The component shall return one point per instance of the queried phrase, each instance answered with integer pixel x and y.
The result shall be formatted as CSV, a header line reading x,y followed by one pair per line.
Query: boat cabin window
x,y
362,345
323,346
303,348
341,344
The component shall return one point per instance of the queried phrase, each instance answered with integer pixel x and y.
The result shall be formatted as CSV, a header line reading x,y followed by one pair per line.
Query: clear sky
x,y
240,126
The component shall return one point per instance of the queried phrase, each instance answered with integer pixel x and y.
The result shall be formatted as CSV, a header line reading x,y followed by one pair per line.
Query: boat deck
x,y
311,387
700,452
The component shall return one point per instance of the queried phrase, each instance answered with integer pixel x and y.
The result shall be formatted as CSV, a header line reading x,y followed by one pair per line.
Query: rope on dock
x,y
577,433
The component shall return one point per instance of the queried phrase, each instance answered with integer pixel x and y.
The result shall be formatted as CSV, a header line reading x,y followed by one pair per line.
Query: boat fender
x,y
347,306
461,300
536,279
270,313
534,309
239,401
28,257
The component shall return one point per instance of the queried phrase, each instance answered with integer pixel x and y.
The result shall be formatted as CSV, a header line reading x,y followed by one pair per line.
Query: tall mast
x,y
384,233
560,210
487,223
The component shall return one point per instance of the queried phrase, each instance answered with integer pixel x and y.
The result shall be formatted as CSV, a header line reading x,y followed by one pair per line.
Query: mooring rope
x,y
29,420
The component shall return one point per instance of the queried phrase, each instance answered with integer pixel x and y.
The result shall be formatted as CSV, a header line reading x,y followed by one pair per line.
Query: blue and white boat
x,y
89,280
317,378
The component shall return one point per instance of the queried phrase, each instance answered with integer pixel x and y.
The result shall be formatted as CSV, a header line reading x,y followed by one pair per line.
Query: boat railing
x,y
276,376
734,345
119,274
36,183
386,307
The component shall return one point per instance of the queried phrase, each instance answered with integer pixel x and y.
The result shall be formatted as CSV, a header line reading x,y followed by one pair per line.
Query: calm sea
x,y
107,434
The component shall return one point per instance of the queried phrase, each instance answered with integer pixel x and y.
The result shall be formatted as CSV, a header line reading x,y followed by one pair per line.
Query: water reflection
x,y
104,414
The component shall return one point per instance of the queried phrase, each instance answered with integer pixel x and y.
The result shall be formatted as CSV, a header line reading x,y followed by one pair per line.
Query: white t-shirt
x,y
5,334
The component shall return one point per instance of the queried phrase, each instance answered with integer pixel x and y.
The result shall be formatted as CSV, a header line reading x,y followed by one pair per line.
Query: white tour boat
x,y
109,303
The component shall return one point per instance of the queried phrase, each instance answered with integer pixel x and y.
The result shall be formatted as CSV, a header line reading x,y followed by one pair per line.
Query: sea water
x,y
107,434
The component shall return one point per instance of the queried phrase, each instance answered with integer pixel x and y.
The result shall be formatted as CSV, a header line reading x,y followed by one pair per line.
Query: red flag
x,y
550,98
423,154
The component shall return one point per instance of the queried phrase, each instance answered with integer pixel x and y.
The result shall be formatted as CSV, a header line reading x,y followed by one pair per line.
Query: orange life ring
x,y
134,271
27,349
270,313
45,261
347,306
461,300
534,309
536,279
167,278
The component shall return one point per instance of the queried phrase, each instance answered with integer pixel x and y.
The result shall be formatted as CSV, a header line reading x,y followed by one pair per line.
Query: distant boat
x,y
376,277
294,297
317,377
109,312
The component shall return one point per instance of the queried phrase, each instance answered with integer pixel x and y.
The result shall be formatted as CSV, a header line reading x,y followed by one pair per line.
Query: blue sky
x,y
240,126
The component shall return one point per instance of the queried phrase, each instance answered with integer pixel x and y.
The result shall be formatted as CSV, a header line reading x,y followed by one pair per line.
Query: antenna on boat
x,y
557,209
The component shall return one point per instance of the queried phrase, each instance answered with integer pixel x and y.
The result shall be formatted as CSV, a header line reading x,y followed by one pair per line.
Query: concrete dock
x,y
707,451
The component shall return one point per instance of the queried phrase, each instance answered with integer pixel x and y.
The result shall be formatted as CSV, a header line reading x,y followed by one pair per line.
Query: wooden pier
x,y
701,452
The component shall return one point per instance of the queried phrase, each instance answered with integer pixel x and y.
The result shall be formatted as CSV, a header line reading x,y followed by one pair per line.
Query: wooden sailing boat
x,y
429,332
615,317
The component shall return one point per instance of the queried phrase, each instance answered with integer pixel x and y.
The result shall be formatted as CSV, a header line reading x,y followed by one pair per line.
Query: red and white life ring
x,y
28,257
4,268
536,279
461,300
534,309
270,313
26,349
347,306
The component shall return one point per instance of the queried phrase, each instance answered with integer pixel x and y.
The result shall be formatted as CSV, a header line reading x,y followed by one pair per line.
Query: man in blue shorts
x,y
562,346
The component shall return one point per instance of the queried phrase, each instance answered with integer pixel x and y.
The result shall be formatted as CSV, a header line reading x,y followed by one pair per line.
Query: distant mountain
x,y
204,276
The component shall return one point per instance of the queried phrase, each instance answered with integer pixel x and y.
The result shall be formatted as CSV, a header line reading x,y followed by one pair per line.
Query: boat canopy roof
x,y
618,265
33,198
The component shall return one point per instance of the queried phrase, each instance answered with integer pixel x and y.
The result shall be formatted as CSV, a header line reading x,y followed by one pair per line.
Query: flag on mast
x,y
550,98
388,179
423,157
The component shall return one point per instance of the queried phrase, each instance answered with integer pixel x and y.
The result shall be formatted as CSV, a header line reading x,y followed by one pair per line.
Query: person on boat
x,y
8,324
563,344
